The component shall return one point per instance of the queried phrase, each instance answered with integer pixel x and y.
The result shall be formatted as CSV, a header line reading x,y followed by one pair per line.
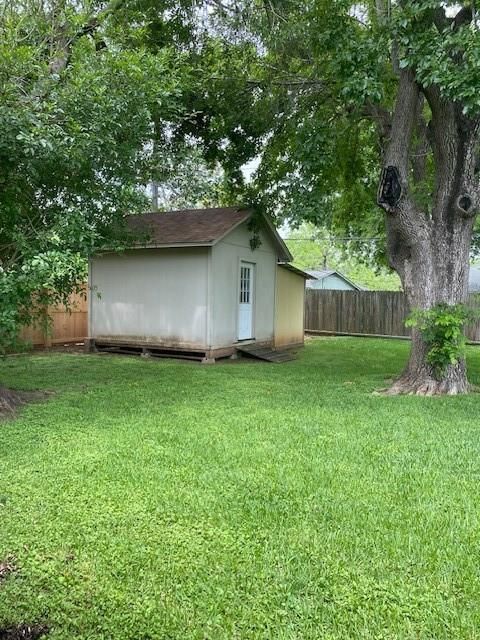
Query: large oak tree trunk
x,y
430,249
439,275
419,378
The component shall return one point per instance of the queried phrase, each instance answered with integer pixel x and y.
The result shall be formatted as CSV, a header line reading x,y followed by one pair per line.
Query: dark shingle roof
x,y
196,227
189,226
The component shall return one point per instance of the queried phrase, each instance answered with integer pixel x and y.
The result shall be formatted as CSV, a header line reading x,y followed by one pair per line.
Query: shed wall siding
x,y
289,310
153,296
224,297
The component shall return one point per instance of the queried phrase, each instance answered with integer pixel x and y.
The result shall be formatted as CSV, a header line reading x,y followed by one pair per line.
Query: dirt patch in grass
x,y
11,400
7,566
24,632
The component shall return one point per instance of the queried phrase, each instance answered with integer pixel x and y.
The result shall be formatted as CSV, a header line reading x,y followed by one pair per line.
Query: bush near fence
x,y
375,313
68,324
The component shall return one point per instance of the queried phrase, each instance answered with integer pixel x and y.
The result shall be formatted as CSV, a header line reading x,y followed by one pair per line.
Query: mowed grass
x,y
153,499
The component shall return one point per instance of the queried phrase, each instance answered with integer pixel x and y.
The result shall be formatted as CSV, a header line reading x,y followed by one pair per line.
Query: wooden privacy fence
x,y
374,313
67,325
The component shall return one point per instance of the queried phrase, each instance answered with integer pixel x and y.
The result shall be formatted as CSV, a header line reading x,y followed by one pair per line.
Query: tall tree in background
x,y
435,120
358,90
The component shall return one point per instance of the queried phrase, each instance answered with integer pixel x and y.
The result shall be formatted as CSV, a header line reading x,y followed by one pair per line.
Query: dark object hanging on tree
x,y
390,189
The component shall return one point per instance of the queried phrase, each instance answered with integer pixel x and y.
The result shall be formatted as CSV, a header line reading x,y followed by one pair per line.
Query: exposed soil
x,y
77,348
24,632
11,400
68,347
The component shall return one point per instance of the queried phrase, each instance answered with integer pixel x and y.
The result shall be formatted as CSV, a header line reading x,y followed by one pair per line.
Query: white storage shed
x,y
198,284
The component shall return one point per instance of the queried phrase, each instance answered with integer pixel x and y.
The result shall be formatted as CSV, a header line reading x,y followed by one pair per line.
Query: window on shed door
x,y
245,284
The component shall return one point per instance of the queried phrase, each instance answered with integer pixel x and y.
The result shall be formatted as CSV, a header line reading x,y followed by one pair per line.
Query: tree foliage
x,y
442,328
76,119
314,247
309,88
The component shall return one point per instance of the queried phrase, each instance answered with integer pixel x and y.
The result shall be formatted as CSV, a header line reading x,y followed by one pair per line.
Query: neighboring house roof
x,y
299,272
325,273
196,227
474,280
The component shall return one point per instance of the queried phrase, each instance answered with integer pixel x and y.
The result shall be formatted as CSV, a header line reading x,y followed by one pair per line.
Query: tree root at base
x,y
11,400
427,386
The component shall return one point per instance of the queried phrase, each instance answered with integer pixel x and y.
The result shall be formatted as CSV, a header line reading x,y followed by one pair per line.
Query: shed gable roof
x,y
196,227
187,226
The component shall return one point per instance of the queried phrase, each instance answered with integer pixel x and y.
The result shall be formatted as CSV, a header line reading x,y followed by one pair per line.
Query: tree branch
x,y
463,17
383,122
439,18
403,124
271,11
454,138
407,226
421,146
65,45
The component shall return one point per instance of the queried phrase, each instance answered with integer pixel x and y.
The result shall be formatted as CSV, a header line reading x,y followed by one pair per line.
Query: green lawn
x,y
152,500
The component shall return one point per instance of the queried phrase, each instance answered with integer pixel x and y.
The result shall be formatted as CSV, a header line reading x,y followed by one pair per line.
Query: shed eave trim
x,y
173,245
283,253
137,247
296,270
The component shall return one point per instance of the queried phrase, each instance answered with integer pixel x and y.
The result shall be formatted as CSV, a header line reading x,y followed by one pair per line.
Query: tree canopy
x,y
319,81
76,114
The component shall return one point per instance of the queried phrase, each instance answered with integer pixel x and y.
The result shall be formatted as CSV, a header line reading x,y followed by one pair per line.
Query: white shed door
x,y
245,305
